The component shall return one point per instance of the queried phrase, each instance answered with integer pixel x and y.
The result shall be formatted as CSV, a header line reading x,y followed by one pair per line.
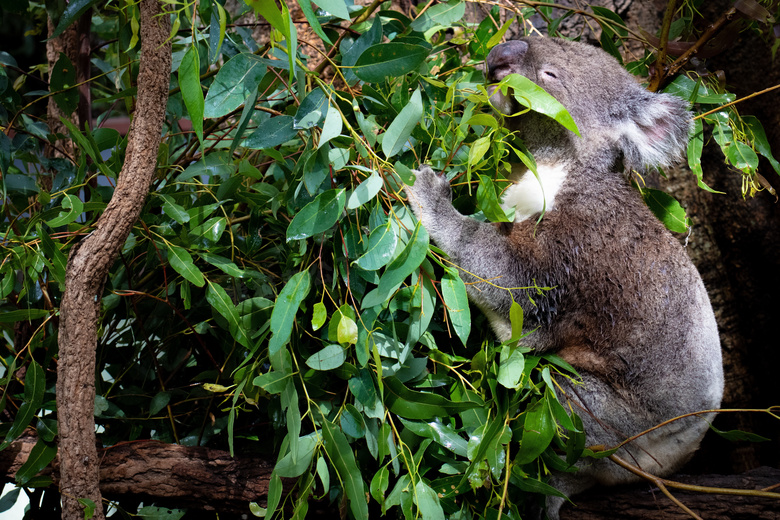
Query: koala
x,y
627,307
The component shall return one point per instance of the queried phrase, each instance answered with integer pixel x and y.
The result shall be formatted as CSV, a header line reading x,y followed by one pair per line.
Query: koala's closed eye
x,y
549,74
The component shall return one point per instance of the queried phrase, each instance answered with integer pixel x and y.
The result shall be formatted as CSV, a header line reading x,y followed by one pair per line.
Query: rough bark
x,y
196,477
88,267
643,502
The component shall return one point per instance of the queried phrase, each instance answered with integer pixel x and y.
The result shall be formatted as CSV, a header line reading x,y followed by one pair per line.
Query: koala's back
x,y
626,302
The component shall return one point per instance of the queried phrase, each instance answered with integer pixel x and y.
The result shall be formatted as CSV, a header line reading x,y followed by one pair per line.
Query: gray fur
x,y
628,308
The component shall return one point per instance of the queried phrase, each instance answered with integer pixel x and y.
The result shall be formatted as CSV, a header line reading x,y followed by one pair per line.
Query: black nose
x,y
502,57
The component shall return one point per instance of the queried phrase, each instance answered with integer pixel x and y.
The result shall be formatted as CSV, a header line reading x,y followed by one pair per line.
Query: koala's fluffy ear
x,y
656,132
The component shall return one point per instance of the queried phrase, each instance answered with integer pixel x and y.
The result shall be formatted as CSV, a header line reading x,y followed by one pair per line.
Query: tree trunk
x,y
88,267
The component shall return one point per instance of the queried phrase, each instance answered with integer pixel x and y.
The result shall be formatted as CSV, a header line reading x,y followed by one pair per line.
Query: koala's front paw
x,y
429,192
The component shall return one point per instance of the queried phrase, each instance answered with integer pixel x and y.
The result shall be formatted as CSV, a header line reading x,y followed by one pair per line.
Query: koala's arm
x,y
487,260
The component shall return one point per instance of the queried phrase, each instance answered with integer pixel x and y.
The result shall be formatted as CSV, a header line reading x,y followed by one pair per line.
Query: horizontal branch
x,y
208,479
196,477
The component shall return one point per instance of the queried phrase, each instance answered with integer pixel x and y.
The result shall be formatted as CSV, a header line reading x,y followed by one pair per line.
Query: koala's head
x,y
617,118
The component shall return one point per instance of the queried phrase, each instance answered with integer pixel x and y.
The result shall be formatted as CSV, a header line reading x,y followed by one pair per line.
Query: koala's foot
x,y
430,192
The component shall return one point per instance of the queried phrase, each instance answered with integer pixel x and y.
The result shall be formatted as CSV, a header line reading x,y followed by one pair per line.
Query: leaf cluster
x,y
276,296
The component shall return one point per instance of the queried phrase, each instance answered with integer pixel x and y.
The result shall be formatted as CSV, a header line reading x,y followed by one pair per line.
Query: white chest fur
x,y
529,195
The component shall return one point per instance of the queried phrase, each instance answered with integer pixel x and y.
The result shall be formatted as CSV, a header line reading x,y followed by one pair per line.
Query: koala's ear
x,y
656,132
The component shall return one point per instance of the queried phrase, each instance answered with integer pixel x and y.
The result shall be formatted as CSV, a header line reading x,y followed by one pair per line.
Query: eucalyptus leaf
x,y
385,60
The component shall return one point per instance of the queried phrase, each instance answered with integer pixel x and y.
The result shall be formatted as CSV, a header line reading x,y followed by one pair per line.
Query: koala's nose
x,y
505,57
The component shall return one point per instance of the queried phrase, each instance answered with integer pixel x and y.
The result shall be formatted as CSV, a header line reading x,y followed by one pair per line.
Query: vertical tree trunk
x,y
88,267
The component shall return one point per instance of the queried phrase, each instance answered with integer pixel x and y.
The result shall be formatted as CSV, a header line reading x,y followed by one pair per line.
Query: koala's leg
x,y
477,248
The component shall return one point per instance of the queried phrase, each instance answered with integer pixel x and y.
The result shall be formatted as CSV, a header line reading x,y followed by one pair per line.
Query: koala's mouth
x,y
503,60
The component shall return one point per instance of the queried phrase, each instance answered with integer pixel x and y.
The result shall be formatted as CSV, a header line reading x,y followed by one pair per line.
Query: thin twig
x,y
661,483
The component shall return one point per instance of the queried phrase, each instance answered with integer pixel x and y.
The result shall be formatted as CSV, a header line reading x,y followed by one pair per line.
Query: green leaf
x,y
159,401
74,208
312,110
516,319
34,387
17,183
273,382
739,435
53,255
347,331
191,91
617,26
352,422
89,508
511,366
275,488
379,484
365,191
381,246
40,457
273,132
221,302
314,23
531,95
182,262
401,267
62,84
362,386
444,15
343,460
419,405
401,128
223,264
666,209
235,82
213,165
318,215
453,290
428,502
538,431
9,499
332,126
285,308
742,157
366,40
478,149
22,315
73,12
442,434
532,485
385,60
488,201
337,8
270,11
288,467
322,472
176,212
760,141
319,315
330,357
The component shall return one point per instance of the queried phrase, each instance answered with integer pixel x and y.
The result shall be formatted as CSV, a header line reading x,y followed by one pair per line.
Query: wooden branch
x,y
208,479
88,266
645,502
201,478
